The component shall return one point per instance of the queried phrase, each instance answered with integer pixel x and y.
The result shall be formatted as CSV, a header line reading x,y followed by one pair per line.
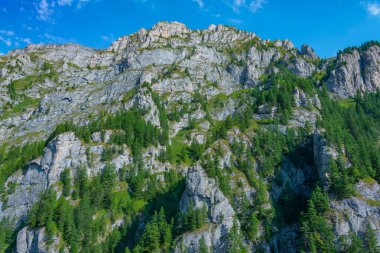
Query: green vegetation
x,y
103,200
365,46
354,132
16,158
132,131
280,93
318,232
6,233
148,203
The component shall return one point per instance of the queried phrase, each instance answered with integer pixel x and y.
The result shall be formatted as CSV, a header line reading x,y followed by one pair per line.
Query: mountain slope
x,y
189,140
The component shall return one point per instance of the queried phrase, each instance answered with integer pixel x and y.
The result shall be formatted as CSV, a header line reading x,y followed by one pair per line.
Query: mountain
x,y
179,140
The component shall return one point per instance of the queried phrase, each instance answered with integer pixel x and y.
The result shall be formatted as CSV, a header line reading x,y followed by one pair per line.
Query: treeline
x,y
135,131
280,92
355,129
86,209
16,159
318,231
365,46
76,223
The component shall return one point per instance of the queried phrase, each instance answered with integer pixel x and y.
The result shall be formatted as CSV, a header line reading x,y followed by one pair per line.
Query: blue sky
x,y
326,25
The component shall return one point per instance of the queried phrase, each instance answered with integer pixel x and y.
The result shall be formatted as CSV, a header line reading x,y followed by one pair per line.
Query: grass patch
x,y
347,102
369,180
26,102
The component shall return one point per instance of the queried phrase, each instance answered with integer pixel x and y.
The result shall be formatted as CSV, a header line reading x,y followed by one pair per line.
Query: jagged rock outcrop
x,y
34,240
355,71
323,154
355,213
80,81
192,80
300,67
202,191
65,151
308,52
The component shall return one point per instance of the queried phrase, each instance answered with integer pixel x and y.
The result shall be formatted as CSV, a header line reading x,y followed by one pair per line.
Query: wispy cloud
x,y
237,4
200,3
45,10
65,2
6,41
235,21
7,32
82,3
256,5
373,9
108,38
26,41
49,38
252,5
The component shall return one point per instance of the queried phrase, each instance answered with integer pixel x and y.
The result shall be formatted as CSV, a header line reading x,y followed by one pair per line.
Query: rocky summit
x,y
180,140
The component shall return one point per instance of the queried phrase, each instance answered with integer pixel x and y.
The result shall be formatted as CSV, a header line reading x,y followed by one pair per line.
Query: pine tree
x,y
108,181
356,244
253,227
66,182
202,245
372,244
235,240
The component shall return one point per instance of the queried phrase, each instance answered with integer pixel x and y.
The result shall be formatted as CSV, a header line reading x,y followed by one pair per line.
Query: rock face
x,y
65,151
323,154
355,213
78,81
185,82
355,71
202,191
33,241
309,52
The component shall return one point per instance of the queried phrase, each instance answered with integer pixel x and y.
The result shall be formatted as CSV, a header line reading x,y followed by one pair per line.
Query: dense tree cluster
x,y
16,158
131,127
353,131
365,46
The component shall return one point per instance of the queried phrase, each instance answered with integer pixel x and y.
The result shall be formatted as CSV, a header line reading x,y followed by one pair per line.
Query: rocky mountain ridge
x,y
233,131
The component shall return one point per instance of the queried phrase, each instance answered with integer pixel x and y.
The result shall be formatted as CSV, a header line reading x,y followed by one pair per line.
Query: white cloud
x,y
45,10
235,21
7,32
216,15
49,38
82,3
26,27
256,5
1,53
373,9
108,38
252,5
27,41
7,42
65,2
237,4
200,3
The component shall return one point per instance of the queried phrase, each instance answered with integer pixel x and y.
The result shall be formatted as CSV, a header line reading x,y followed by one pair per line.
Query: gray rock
x,y
355,72
323,154
64,151
34,240
309,52
202,191
355,213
